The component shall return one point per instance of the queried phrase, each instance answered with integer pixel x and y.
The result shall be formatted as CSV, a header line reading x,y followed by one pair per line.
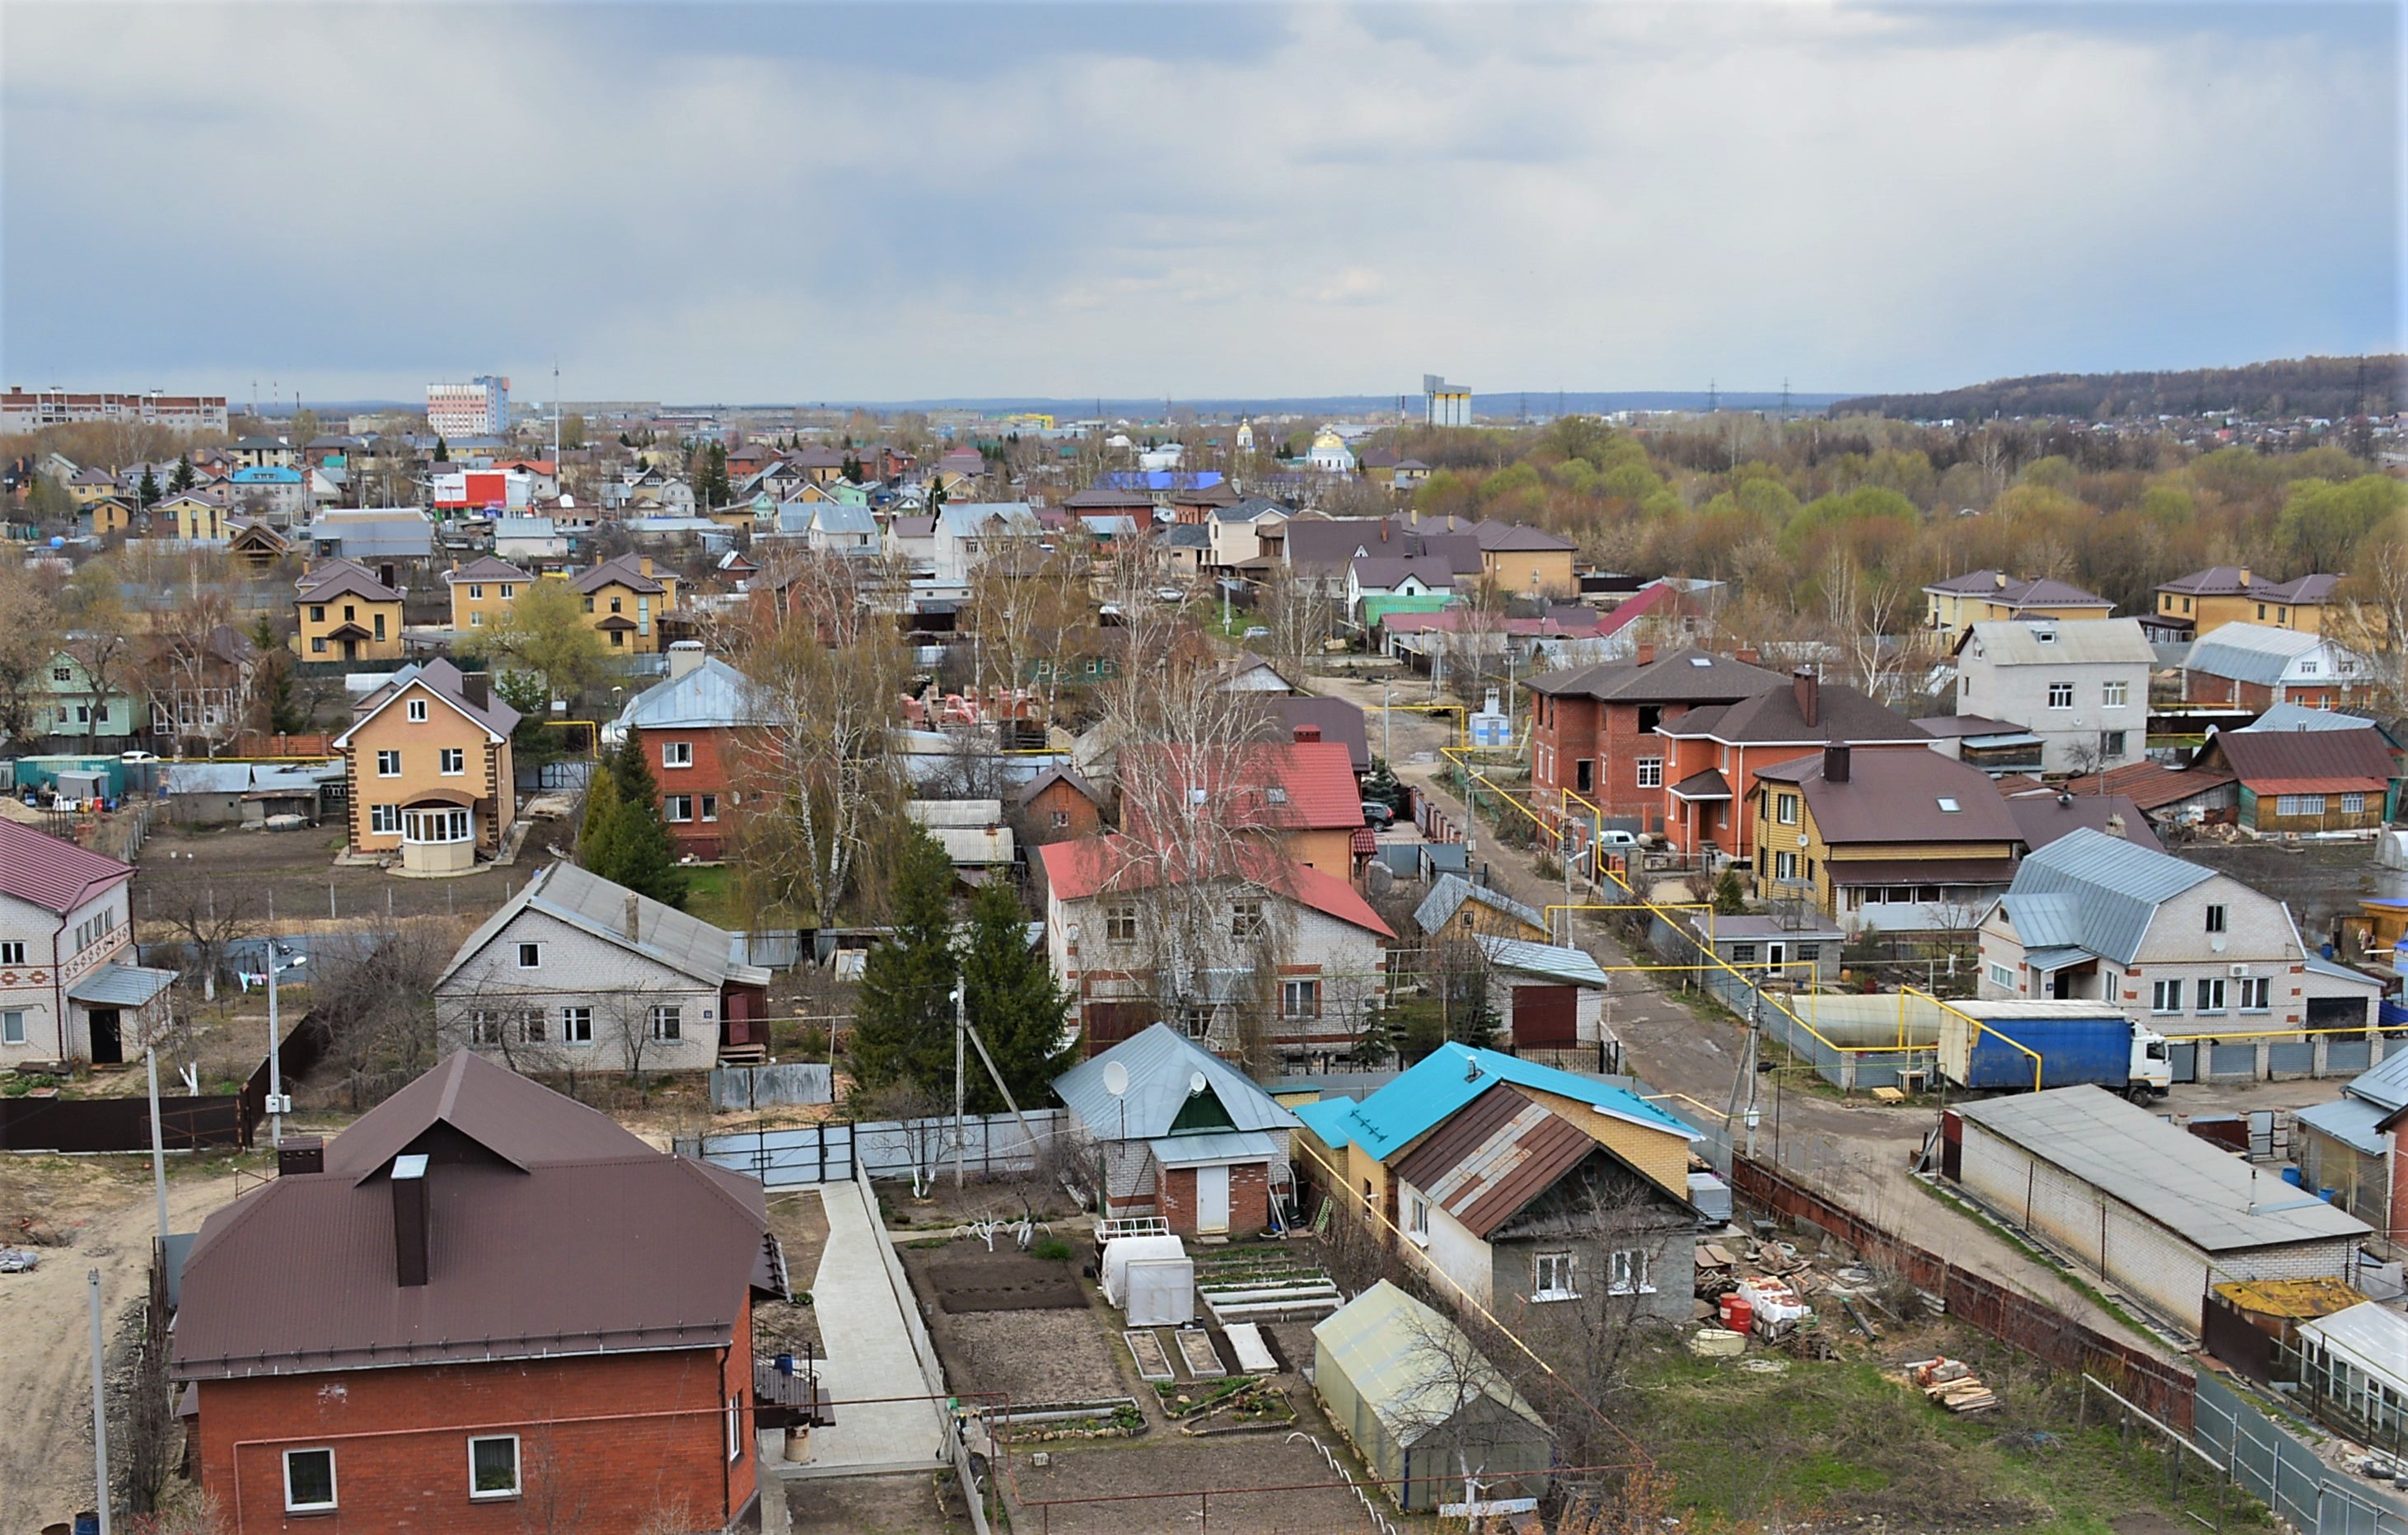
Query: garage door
x,y
2338,1012
1546,1017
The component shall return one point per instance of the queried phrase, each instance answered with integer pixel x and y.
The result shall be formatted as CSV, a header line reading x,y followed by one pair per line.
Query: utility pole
x,y
961,1031
158,1146
99,1406
276,1055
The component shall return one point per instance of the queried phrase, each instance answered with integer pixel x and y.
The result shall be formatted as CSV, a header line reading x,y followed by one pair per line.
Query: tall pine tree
x,y
597,836
1008,990
647,859
184,476
903,1020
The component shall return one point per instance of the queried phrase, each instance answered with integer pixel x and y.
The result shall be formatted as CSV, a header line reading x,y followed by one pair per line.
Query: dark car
x,y
1378,815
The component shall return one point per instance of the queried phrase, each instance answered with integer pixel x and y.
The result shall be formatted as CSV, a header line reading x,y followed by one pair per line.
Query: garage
x,y
1546,1017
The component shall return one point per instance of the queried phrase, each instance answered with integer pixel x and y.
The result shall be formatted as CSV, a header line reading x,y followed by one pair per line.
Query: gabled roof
x,y
345,579
2250,653
2041,819
1274,785
713,695
843,517
1842,714
1382,1342
1438,1085
2299,717
2018,592
1553,960
1068,777
2042,641
1387,572
2093,891
1447,896
1161,1062
972,518
1493,1160
1339,720
2269,756
1499,537
486,567
1087,866
2232,581
51,873
600,908
1095,497
2151,785
1685,676
441,680
627,570
489,1104
1899,796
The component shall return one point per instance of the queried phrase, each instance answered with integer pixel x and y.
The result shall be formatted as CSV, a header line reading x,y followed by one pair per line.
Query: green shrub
x,y
1052,1249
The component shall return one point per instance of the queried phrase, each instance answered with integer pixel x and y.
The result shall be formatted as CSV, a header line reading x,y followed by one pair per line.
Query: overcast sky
x,y
780,202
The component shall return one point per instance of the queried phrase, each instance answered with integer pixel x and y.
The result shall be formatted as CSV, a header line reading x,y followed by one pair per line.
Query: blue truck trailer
x,y
1991,1047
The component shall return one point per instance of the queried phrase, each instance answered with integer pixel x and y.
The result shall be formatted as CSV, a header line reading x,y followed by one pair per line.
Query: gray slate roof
x,y
1160,1061
686,944
1453,890
2213,1201
2086,642
2095,892
1548,959
2298,717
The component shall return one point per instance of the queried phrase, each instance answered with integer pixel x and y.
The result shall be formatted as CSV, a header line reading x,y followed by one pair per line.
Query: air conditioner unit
x,y
2239,969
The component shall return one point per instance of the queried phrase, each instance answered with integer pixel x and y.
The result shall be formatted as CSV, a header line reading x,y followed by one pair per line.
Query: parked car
x,y
1258,631
1378,815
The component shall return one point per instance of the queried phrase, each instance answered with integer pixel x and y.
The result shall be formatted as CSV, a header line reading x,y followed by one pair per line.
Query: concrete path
x,y
869,1352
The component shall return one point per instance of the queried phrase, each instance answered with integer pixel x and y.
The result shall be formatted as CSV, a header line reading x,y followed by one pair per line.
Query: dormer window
x,y
2046,637
1276,794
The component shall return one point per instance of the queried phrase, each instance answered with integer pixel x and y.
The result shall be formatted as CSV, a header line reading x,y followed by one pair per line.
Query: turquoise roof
x,y
1442,1082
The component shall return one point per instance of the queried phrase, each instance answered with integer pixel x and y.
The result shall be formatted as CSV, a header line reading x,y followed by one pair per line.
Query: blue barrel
x,y
2291,1176
2330,1196
88,1522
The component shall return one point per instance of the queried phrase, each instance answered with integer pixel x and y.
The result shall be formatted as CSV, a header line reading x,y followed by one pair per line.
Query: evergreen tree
x,y
442,451
273,680
1008,988
1730,899
185,476
1382,1038
647,859
903,1019
598,838
148,491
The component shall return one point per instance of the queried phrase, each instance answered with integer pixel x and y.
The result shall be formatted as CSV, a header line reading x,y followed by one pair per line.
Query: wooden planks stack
x,y
1953,1384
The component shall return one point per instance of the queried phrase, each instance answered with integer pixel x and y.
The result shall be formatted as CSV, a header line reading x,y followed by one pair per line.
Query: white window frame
x,y
1785,809
677,809
2115,695
1300,998
577,1026
12,952
2209,990
416,709
2290,805
2060,694
1651,773
709,808
1417,1220
451,761
530,949
2165,996
384,818
2352,803
735,1429
334,1488
1558,1266
2215,918
1784,866
669,1023
393,755
2001,976
12,1026
677,754
509,590
518,1479
2260,987
1630,1272
1246,918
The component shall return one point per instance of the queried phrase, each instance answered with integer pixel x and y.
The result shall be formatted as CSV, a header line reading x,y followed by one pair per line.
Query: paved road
x,y
869,1354
1856,1152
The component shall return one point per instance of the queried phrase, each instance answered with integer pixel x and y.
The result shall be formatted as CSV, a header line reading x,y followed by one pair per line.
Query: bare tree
x,y
1862,608
2371,621
380,1006
208,917
1301,615
29,637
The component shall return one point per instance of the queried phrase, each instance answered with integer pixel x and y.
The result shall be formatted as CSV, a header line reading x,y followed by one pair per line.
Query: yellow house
x,y
625,602
109,517
185,515
1891,841
1527,561
427,762
87,486
1983,596
2206,600
482,589
347,614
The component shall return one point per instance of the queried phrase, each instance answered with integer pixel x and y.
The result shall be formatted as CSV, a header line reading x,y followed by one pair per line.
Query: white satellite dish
x,y
1115,1078
1196,1082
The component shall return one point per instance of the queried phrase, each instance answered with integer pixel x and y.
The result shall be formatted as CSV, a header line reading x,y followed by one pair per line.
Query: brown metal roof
x,y
1498,1153
1868,871
2259,755
552,1231
1897,796
1672,678
2151,785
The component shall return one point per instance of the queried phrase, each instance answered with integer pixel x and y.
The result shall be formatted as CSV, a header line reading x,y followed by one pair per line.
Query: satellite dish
x,y
1195,1082
1115,1078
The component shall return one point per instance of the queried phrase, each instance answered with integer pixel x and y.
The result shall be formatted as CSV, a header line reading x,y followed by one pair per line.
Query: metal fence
x,y
1790,1019
2273,1463
839,1150
736,1089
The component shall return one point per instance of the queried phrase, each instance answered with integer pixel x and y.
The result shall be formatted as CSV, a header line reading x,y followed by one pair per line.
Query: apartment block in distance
x,y
478,409
30,410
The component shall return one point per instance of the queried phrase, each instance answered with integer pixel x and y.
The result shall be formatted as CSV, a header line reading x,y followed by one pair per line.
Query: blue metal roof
x,y
2095,892
1159,480
1441,1082
2350,1122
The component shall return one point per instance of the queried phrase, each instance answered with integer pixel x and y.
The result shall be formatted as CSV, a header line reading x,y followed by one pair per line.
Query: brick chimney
x,y
411,1220
635,917
1998,577
1835,764
1747,655
2244,575
1807,689
1644,654
1307,733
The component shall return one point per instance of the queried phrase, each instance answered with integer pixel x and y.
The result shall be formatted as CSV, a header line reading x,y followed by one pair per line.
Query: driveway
x,y
869,1352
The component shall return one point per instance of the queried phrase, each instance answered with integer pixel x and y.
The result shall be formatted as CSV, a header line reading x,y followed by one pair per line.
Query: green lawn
x,y
710,894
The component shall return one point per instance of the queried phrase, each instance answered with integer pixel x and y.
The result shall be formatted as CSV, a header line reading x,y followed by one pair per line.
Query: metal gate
x,y
2184,1057
2347,1057
2296,1056
2232,1060
1546,1017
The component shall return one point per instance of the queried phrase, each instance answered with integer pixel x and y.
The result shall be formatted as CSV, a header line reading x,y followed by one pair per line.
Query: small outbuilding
x,y
1175,1131
1435,1421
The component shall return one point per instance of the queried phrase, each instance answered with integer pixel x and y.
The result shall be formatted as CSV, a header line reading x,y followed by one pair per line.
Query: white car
x,y
1258,631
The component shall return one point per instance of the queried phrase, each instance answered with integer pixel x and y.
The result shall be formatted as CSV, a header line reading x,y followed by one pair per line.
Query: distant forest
x,y
2331,387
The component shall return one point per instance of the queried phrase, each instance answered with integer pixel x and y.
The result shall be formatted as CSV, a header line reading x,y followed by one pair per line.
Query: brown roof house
x,y
2307,781
482,1307
1892,842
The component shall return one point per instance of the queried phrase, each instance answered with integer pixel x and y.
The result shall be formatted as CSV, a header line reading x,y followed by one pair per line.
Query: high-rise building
x,y
478,409
31,409
1444,404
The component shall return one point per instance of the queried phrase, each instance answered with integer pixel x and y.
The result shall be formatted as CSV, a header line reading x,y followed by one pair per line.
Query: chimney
x,y
410,1220
1645,654
644,563
686,655
477,688
1747,655
635,915
1998,577
1807,689
1307,733
2115,824
2244,575
1835,764
301,1153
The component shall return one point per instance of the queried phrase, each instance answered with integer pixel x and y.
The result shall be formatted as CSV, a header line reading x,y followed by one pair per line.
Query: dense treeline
x,y
2329,387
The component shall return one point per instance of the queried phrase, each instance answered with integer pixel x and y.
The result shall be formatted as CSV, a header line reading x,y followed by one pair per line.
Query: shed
x,y
1551,996
1186,1136
1782,950
2160,1212
2354,1370
1432,1418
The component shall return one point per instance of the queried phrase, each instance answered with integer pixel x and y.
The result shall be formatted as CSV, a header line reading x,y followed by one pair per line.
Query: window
x,y
1949,806
531,1025
1926,894
317,612
1551,1277
2307,669
710,806
668,1022
417,711
1651,773
484,1028
2255,992
1417,1220
735,1428
2216,919
2288,805
677,807
2060,694
2210,994
2001,976
451,761
530,956
577,1026
509,590
388,765
445,824
1245,919
2115,694
1742,953
2353,804
1583,775
12,1027
1898,895
589,605
476,620
12,952
614,605
677,754
1628,1272
1300,998
494,1467
309,1481
2110,743
2165,996
476,593
61,674
1120,922
619,639
1810,952
318,644
1785,809
1855,897
1784,866
384,818
1061,818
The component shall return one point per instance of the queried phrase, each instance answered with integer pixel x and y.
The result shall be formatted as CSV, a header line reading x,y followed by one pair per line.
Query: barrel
x,y
1738,1315
88,1522
798,1442
2291,1176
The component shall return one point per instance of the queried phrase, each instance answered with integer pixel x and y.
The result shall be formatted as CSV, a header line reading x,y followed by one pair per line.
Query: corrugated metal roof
x,y
54,874
597,906
2106,891
713,695
1160,1062
208,778
2264,756
2386,1084
1504,1149
2372,1337
2349,1121
2210,1199
2056,958
2083,641
2295,718
1442,1082
1188,1150
2334,970
1409,1364
121,985
1548,959
1452,890
2249,651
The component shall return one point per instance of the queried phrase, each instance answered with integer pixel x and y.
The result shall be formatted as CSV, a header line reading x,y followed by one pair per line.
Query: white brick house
x,y
574,972
69,990
2082,688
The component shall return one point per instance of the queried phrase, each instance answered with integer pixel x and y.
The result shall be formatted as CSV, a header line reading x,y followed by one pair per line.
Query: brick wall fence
x,y
2016,1320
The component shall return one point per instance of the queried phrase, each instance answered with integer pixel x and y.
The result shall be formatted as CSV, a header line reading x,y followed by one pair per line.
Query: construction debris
x,y
1952,1384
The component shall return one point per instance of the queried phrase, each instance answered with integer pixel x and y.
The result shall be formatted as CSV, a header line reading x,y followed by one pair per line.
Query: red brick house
x,y
1710,771
483,1308
1593,729
694,728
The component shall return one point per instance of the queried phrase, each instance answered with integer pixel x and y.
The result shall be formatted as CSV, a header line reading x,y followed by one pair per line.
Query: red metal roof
x,y
1284,785
59,875
1498,1153
1091,866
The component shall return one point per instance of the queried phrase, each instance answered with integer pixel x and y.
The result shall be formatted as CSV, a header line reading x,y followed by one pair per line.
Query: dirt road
x,y
45,1471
